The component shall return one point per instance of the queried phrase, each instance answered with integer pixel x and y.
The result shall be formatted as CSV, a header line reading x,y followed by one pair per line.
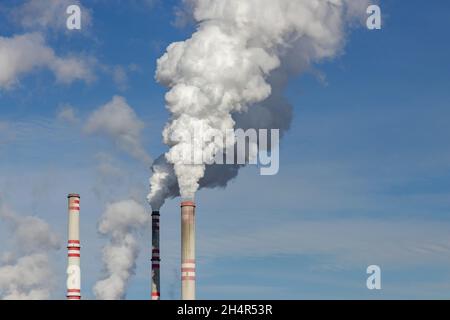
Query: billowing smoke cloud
x,y
118,121
28,275
231,74
120,222
163,183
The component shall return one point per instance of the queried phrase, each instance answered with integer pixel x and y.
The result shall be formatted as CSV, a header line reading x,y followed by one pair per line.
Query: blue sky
x,y
364,174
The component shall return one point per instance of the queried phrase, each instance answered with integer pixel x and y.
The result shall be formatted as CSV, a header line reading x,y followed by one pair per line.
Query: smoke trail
x,y
231,73
27,277
120,222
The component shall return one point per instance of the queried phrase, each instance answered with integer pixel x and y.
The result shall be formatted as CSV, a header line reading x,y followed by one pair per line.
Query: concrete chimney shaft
x,y
188,250
73,249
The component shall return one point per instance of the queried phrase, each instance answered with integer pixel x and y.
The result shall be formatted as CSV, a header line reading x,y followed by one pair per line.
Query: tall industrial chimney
x,y
73,249
187,250
155,256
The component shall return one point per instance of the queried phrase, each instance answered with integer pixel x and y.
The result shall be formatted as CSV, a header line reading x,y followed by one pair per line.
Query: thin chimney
x,y
188,250
73,249
155,256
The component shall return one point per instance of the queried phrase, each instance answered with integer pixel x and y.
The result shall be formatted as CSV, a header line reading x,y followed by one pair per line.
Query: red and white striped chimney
x,y
187,250
73,249
155,256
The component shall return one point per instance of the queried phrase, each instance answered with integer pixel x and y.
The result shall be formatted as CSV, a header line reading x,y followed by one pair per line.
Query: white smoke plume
x,y
231,73
163,183
118,121
120,222
29,275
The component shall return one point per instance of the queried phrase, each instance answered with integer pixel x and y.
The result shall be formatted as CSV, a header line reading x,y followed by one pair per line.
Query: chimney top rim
x,y
188,204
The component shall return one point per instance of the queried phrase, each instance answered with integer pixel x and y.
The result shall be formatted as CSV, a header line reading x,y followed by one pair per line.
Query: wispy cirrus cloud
x,y
347,242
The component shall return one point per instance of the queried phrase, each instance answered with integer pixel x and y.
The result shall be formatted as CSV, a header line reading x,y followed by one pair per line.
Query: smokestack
x,y
155,256
187,250
73,249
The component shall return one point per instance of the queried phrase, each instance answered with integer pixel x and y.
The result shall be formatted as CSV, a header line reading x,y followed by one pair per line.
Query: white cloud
x,y
72,68
30,276
48,14
119,122
120,77
25,279
21,54
31,234
184,14
67,114
120,74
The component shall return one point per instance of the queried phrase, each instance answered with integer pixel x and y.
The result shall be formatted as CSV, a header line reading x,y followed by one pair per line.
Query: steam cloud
x,y
231,74
120,222
163,182
27,277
